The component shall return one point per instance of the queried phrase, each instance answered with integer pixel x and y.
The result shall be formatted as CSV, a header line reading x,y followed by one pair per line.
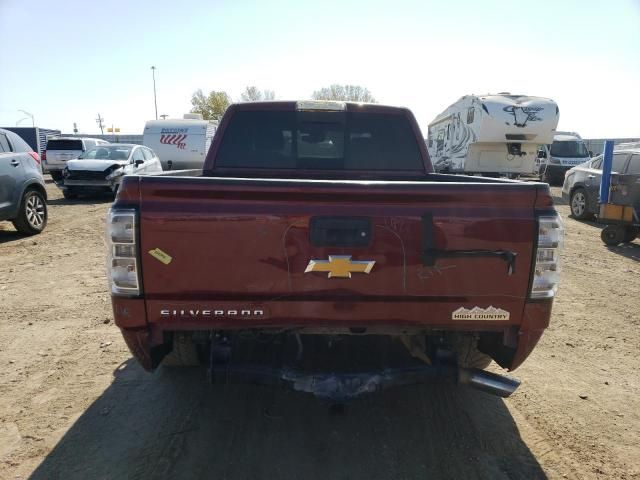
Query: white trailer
x,y
180,143
492,134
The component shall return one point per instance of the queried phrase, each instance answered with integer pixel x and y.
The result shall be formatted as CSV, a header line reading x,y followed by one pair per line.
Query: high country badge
x,y
477,313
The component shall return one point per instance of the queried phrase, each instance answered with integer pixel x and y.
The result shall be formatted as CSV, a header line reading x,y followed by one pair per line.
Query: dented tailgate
x,y
250,252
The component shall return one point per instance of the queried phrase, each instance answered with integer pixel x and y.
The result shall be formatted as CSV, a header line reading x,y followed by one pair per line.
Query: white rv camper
x,y
180,143
492,134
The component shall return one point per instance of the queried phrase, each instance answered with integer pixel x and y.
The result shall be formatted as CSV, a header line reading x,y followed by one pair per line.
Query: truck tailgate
x,y
251,252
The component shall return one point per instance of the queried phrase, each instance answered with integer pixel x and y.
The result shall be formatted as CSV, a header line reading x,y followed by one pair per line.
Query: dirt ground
x,y
73,404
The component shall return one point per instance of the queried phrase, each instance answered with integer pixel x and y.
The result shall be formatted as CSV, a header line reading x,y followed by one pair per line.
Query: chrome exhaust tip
x,y
488,382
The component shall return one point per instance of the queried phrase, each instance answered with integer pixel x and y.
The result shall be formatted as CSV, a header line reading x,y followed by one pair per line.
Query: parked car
x,y
581,186
318,249
62,149
101,168
23,198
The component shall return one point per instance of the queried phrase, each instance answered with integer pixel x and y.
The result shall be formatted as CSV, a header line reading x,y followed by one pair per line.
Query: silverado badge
x,y
340,266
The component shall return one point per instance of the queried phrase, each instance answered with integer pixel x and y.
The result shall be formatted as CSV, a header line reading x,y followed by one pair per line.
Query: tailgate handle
x,y
340,231
430,254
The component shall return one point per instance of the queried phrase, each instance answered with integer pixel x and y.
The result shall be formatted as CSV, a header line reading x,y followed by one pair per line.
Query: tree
x,y
252,94
349,93
211,107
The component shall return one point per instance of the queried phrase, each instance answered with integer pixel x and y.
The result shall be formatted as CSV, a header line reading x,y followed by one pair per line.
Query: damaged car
x,y
101,169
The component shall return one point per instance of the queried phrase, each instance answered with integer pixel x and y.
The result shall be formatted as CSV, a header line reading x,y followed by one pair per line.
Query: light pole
x,y
155,101
100,122
33,122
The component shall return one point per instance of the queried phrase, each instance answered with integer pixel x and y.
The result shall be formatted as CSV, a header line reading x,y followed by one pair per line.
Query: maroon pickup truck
x,y
317,249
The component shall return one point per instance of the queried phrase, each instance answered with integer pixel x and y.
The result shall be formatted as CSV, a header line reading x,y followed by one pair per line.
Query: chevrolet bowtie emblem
x,y
340,266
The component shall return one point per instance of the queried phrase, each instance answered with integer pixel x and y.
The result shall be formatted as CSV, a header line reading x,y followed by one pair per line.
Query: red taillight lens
x,y
44,155
35,156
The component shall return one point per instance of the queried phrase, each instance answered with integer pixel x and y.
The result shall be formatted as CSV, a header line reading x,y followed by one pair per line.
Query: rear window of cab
x,y
317,140
64,144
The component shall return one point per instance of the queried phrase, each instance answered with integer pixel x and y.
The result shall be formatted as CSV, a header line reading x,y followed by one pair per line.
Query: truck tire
x,y
468,355
613,235
32,216
184,353
578,203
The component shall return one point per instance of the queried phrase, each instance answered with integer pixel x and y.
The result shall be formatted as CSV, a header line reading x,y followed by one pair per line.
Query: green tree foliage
x,y
347,93
212,106
253,94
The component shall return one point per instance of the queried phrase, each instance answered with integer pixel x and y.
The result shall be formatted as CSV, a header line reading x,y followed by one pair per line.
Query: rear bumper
x,y
48,168
519,334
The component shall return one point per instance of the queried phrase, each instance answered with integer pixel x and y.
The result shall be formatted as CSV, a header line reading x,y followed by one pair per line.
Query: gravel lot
x,y
73,404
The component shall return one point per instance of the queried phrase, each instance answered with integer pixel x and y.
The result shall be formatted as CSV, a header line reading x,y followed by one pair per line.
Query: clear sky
x,y
67,61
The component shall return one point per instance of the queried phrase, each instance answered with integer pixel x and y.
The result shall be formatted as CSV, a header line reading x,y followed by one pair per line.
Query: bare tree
x,y
253,94
212,106
268,95
349,93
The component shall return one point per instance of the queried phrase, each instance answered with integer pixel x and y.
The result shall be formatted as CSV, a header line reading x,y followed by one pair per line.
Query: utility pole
x,y
100,122
155,101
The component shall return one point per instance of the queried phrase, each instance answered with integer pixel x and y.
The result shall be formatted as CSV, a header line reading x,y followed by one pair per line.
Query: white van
x,y
181,144
566,151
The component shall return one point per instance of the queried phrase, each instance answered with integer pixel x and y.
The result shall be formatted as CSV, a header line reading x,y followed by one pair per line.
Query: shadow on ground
x,y
7,236
174,425
628,250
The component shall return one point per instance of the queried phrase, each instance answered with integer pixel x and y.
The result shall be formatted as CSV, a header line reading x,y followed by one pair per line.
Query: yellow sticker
x,y
160,255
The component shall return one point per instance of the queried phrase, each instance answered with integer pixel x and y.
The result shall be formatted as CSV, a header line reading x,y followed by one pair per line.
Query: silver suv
x,y
62,149
581,186
23,198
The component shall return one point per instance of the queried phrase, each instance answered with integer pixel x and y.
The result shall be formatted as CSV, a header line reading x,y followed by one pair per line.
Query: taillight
x,y
44,155
122,254
546,272
36,157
